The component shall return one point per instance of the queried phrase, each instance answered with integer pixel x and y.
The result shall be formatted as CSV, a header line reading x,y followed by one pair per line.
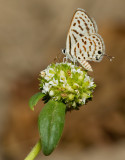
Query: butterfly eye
x,y
99,52
63,51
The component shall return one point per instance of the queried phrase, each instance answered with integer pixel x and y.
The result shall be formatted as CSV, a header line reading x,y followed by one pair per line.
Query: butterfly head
x,y
99,51
98,55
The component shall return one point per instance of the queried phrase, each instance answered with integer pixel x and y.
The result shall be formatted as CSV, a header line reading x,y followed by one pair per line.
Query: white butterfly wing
x,y
88,48
81,25
83,43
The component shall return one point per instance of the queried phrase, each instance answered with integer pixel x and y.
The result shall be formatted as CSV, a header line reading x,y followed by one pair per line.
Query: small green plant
x,y
63,87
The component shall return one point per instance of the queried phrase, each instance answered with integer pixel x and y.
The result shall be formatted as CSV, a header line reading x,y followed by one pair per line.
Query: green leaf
x,y
51,122
34,99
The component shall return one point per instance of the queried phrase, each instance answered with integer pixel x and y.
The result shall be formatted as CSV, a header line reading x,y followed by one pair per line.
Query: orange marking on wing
x,y
93,53
90,48
86,24
74,31
82,19
88,54
74,38
80,27
69,44
88,18
84,48
95,49
75,51
78,21
84,41
81,35
94,44
87,28
78,45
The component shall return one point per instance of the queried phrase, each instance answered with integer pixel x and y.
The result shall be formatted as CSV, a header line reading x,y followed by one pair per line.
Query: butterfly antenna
x,y
57,57
109,57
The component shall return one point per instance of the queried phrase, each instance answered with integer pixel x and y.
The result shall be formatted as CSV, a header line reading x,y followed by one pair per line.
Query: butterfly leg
x,y
74,61
65,59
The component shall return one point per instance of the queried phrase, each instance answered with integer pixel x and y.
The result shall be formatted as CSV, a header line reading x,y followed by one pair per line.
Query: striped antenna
x,y
109,57
58,58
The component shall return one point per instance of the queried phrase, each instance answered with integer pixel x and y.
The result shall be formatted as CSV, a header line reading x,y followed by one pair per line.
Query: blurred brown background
x,y
32,33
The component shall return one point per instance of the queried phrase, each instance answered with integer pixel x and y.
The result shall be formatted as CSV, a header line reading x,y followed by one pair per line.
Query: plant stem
x,y
34,152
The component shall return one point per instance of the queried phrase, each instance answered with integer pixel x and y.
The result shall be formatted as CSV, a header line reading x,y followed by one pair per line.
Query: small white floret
x,y
51,93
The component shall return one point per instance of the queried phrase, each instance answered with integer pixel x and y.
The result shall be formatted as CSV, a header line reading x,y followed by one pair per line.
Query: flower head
x,y
67,83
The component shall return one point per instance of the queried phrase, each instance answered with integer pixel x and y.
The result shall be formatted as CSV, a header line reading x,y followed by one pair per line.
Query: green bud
x,y
80,78
62,73
75,86
69,88
84,95
71,96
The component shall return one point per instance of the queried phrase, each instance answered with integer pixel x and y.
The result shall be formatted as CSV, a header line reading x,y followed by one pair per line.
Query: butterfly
x,y
83,43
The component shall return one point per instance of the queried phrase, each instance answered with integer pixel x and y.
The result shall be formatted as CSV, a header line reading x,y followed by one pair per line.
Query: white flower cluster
x,y
66,82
